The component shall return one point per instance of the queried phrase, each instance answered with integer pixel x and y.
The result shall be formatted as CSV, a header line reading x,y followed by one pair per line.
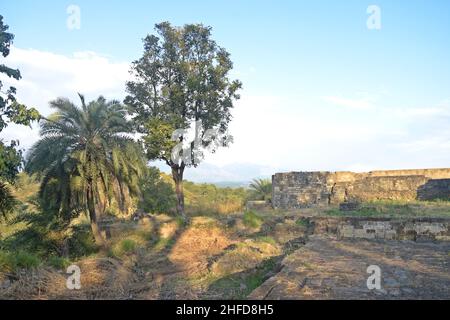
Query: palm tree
x,y
7,201
86,158
260,189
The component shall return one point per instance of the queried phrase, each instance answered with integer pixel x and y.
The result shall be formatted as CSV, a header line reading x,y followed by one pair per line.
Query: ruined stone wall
x,y
305,189
414,229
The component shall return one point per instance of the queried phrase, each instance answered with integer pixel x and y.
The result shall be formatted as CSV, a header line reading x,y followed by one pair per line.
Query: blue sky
x,y
321,90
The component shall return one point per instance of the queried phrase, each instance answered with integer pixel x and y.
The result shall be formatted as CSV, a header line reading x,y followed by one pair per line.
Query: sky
x,y
327,85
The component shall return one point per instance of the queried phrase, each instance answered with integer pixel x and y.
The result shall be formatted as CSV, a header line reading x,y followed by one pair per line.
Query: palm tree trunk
x,y
93,216
177,175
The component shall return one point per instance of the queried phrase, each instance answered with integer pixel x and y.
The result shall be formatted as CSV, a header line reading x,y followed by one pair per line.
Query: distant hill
x,y
232,184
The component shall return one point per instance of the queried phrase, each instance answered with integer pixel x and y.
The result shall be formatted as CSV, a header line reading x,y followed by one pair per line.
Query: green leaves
x,y
260,189
7,201
10,161
85,147
181,78
10,111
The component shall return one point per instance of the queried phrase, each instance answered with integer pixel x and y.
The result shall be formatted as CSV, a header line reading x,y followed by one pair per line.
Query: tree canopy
x,y
11,111
182,79
86,159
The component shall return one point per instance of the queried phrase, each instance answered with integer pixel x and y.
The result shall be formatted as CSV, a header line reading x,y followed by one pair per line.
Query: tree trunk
x,y
93,216
177,175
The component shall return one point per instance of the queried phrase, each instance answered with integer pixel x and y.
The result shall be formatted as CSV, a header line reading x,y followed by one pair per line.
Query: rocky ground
x,y
326,268
285,256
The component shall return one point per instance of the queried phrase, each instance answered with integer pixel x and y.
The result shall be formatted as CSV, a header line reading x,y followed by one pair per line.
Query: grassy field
x,y
394,209
223,257
223,251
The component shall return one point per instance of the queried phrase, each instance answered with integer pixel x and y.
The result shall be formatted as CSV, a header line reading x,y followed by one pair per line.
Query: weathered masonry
x,y
305,189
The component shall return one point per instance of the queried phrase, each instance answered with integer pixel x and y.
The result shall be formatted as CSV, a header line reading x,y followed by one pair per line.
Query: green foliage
x,y
207,198
7,201
396,208
260,189
252,220
124,247
268,239
302,222
10,111
81,243
59,263
24,259
5,261
86,159
10,161
11,261
181,77
128,245
44,233
164,243
157,194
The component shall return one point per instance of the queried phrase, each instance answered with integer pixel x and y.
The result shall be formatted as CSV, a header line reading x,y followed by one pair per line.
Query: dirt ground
x,y
222,258
329,269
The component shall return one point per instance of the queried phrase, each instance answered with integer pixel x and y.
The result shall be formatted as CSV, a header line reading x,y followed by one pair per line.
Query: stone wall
x,y
305,189
415,229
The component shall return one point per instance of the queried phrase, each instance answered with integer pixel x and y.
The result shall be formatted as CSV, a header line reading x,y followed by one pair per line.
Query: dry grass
x,y
101,278
160,258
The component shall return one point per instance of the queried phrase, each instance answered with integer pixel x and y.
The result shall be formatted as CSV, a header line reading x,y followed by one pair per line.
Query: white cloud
x,y
441,109
357,104
47,76
271,132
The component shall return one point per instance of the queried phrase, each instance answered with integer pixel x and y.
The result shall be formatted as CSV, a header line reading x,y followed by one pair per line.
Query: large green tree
x,y
182,79
11,111
86,158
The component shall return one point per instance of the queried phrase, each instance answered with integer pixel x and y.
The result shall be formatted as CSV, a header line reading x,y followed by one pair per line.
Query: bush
x,y
128,245
252,220
302,222
59,263
27,260
260,189
157,194
6,263
22,259
205,199
125,246
82,242
267,239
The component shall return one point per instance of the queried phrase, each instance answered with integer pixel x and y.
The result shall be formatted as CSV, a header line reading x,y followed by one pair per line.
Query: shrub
x,y
208,199
267,239
59,263
128,245
21,259
125,246
6,263
157,194
260,189
252,220
82,242
27,260
302,222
